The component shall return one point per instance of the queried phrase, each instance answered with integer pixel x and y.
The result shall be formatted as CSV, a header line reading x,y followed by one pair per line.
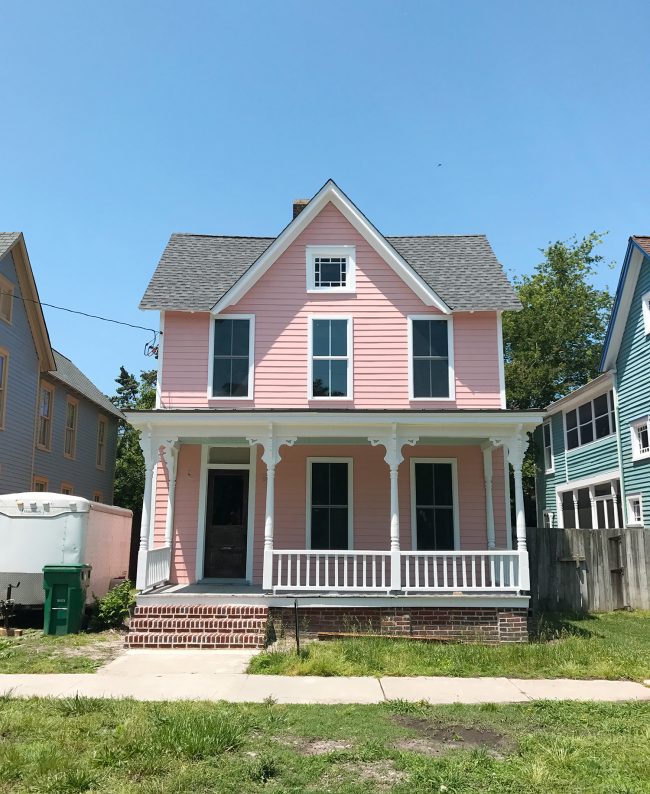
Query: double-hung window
x,y
331,268
634,510
548,447
6,299
431,362
329,508
641,439
100,460
331,357
45,403
433,500
232,357
590,421
70,437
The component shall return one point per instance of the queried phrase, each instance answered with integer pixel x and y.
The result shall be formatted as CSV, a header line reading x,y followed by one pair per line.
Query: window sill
x,y
41,448
644,456
228,399
330,399
549,471
331,290
432,399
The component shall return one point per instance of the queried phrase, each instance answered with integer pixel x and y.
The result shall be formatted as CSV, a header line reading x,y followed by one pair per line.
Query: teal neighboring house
x,y
594,445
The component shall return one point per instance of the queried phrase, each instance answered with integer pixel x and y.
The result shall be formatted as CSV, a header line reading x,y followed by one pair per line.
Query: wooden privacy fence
x,y
589,570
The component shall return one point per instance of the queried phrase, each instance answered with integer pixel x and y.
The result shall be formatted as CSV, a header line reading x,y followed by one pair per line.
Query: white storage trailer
x,y
38,529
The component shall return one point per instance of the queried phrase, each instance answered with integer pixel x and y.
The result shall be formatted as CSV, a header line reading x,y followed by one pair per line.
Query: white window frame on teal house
x,y
548,468
346,252
640,451
645,310
611,418
349,358
450,357
251,356
634,516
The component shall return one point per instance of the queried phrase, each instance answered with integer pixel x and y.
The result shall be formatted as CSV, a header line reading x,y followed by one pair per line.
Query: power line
x,y
150,348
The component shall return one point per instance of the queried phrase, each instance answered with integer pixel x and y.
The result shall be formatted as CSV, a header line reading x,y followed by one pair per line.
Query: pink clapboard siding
x,y
379,308
371,500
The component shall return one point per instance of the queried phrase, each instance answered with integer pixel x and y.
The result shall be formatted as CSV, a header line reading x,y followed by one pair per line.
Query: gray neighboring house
x,y
58,432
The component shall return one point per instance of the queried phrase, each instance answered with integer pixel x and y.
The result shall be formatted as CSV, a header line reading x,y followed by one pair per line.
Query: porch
x,y
397,557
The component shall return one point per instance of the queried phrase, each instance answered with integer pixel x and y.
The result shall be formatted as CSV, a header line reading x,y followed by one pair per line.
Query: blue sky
x,y
126,121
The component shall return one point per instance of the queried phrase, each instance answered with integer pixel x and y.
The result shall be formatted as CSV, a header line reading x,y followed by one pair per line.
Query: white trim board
x,y
330,192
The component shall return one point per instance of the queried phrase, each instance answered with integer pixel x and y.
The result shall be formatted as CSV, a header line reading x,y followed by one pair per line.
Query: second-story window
x,y
45,403
101,442
70,438
431,358
548,447
331,268
590,421
4,373
232,359
331,365
6,299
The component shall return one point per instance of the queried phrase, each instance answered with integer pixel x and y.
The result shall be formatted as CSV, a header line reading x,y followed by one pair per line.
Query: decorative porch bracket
x,y
170,456
516,448
393,443
271,456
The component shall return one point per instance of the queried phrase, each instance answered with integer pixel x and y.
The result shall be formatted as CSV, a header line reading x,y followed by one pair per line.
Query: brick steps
x,y
201,626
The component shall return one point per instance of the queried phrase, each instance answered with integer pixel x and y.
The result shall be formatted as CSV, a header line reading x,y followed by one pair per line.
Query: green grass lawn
x,y
35,652
612,646
117,746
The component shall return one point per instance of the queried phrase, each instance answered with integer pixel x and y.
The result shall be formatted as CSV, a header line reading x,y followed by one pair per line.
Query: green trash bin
x,y
65,597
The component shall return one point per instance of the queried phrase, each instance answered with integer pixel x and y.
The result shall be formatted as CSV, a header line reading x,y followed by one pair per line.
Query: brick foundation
x,y
491,625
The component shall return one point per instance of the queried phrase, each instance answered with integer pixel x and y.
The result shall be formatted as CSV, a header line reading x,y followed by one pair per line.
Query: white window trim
x,y
251,357
70,400
5,374
611,409
634,426
101,420
645,311
450,350
8,286
349,462
350,356
349,251
631,521
548,423
49,388
251,466
454,492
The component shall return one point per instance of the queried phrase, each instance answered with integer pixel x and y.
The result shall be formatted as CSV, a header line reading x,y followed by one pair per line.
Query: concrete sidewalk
x,y
218,675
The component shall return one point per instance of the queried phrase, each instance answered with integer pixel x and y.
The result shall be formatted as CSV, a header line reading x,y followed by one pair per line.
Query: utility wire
x,y
151,346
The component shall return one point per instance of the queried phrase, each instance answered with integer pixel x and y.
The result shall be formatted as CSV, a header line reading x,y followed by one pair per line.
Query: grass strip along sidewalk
x,y
610,646
35,652
117,746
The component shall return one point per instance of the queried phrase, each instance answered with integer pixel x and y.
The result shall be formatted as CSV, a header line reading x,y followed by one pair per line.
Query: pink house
x,y
330,432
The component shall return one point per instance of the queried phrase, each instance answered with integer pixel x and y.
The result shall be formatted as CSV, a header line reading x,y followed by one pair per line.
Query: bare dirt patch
x,y
306,746
104,650
435,739
381,774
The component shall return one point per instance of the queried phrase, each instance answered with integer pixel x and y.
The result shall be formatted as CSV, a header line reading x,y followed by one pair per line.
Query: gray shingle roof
x,y
7,239
195,271
73,377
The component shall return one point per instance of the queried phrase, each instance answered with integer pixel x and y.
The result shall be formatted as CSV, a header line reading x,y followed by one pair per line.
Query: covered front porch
x,y
342,504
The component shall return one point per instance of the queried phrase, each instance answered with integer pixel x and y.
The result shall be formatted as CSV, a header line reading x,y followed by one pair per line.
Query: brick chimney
x,y
299,205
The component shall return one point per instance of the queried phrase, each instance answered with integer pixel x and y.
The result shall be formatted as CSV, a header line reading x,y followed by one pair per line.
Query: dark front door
x,y
226,525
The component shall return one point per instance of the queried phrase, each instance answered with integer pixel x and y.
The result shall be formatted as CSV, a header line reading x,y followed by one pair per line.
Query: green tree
x,y
129,466
554,344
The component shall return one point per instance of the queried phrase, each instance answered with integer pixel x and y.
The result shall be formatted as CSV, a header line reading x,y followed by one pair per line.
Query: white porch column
x,y
148,451
393,457
489,502
594,512
170,454
516,449
271,458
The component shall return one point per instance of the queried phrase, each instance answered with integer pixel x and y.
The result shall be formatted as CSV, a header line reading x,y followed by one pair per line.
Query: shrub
x,y
110,611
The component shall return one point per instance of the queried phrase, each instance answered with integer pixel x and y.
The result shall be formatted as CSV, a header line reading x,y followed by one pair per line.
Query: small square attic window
x,y
331,268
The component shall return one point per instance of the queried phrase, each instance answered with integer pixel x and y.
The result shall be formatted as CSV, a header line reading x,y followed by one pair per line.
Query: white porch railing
x,y
158,564
462,571
498,571
360,571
